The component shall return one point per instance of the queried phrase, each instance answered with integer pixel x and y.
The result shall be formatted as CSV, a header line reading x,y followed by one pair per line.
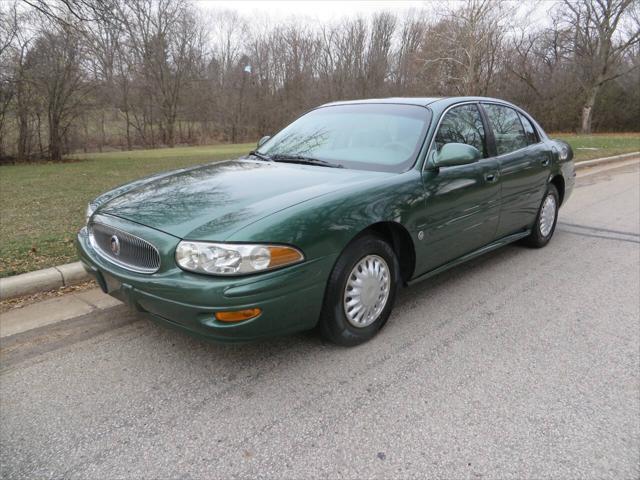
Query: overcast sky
x,y
321,10
328,11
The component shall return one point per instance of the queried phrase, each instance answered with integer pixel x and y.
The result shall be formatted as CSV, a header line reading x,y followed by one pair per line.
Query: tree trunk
x,y
86,135
55,141
153,135
125,106
23,137
39,131
587,109
128,126
170,132
103,133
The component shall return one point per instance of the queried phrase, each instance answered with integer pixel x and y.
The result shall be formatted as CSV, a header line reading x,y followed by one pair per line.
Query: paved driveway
x,y
524,363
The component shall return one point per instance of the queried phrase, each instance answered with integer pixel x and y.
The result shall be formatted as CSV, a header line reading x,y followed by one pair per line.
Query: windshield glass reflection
x,y
382,137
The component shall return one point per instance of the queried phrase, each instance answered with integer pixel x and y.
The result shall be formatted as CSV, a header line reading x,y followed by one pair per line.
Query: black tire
x,y
334,324
537,239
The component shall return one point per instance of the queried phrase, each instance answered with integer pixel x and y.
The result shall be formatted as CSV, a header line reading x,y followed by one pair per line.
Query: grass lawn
x,y
587,147
42,205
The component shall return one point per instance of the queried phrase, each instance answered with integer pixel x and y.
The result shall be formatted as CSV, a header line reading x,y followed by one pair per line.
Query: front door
x,y
462,202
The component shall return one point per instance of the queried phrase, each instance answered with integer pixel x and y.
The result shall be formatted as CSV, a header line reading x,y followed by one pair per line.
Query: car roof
x,y
420,101
437,104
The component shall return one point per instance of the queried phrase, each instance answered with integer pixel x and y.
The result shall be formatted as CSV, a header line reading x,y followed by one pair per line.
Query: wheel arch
x,y
400,240
558,182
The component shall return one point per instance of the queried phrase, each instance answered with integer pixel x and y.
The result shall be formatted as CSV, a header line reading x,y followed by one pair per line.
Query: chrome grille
x,y
124,249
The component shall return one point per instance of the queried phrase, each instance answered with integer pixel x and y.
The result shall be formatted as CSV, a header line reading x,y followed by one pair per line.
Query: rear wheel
x,y
360,292
546,221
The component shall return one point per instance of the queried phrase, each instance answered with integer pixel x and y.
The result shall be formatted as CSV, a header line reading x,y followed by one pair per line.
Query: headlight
x,y
564,153
90,209
234,259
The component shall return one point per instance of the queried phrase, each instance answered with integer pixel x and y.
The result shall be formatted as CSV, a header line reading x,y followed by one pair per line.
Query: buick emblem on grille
x,y
115,245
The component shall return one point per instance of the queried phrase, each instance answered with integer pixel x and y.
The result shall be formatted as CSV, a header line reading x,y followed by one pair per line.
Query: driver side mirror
x,y
453,154
263,140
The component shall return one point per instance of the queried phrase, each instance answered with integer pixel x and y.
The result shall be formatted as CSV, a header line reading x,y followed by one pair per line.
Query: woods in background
x,y
88,74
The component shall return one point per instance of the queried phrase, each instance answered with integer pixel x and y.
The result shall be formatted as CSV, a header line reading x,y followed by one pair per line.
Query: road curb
x,y
72,273
42,280
602,161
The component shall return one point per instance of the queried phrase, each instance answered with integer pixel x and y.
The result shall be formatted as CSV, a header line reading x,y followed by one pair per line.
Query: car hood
x,y
211,202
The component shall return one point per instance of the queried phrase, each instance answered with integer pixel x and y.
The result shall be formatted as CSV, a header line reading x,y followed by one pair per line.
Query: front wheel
x,y
361,292
546,221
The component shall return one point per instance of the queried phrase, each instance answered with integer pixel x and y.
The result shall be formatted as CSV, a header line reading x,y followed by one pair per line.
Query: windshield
x,y
383,137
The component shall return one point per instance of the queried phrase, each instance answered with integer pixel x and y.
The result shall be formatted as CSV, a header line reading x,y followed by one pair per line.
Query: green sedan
x,y
323,222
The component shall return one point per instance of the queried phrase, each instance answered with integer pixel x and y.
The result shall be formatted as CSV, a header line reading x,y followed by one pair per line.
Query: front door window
x,y
462,124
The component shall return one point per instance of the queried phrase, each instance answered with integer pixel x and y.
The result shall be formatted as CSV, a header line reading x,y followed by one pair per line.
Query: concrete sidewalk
x,y
54,310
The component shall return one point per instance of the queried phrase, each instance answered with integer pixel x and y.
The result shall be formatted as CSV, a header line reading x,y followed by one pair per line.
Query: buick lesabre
x,y
324,221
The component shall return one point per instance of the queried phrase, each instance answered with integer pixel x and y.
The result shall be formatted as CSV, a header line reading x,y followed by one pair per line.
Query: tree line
x,y
101,74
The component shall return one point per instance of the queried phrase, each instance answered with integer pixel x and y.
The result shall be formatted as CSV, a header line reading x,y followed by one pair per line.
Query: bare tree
x,y
56,70
378,56
24,99
8,33
163,36
467,46
605,31
411,41
537,67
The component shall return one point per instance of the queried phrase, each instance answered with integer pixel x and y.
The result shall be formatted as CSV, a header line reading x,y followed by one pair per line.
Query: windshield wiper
x,y
261,156
304,160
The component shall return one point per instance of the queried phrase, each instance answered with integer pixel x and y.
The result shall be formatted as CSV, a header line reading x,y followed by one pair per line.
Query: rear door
x,y
462,202
524,165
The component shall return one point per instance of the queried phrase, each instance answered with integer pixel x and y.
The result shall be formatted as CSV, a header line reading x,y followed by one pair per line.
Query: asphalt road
x,y
524,363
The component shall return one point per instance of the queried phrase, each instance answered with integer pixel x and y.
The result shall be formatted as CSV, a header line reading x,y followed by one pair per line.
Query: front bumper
x,y
290,298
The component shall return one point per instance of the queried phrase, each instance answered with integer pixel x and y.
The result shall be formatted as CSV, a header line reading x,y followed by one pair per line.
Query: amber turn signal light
x,y
239,315
284,256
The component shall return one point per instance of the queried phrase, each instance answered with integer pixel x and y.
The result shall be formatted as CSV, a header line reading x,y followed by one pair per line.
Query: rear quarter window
x,y
529,130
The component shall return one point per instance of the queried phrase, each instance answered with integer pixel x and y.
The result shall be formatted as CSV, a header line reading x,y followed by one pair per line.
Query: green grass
x,y
587,147
42,205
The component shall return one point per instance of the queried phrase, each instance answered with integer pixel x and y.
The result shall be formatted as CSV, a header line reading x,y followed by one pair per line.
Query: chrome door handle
x,y
490,177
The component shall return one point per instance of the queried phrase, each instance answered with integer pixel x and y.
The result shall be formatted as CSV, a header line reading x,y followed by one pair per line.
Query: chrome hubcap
x,y
367,291
547,215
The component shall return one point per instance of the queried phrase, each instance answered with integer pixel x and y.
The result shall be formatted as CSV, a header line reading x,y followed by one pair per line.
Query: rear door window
x,y
507,128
